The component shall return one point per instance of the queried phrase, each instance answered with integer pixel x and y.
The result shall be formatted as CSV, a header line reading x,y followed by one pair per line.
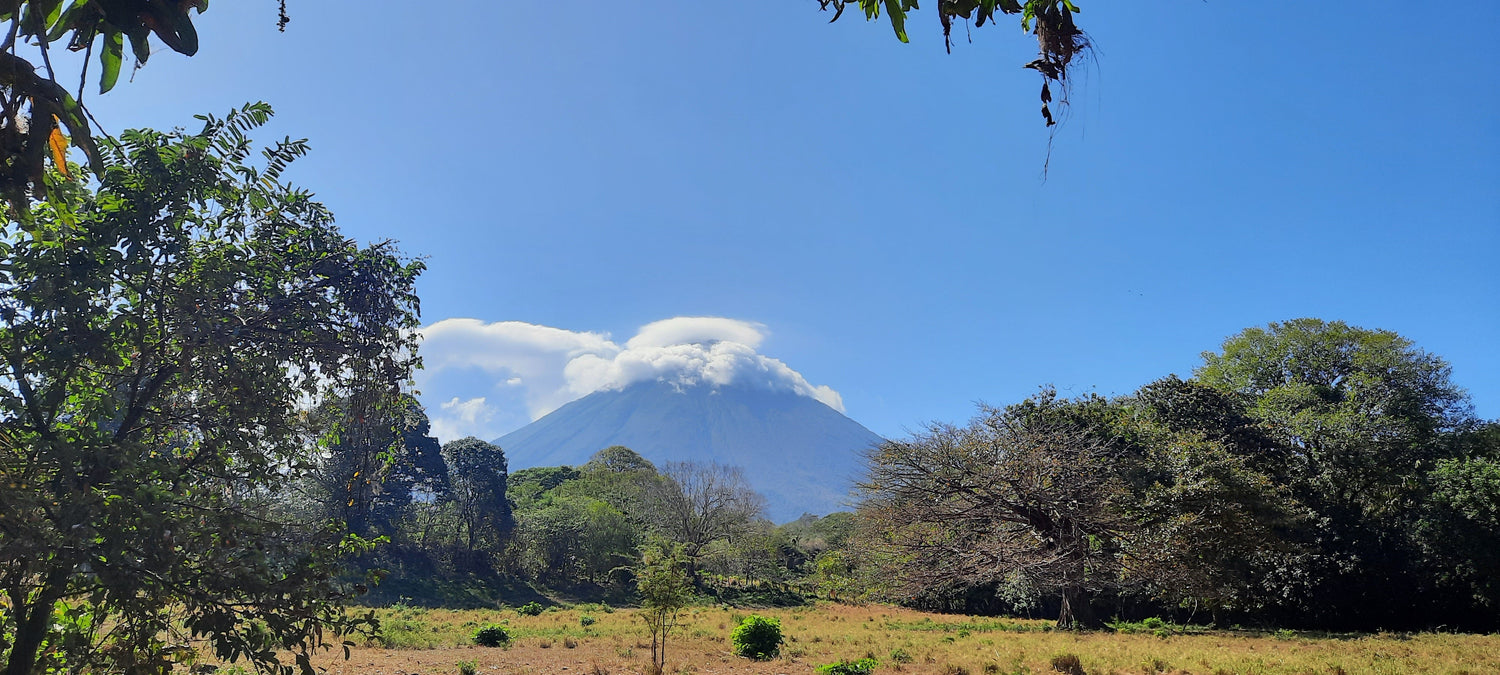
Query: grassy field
x,y
435,641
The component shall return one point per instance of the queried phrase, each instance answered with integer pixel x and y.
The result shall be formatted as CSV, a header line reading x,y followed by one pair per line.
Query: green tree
x,y
477,480
161,334
1364,417
665,588
376,463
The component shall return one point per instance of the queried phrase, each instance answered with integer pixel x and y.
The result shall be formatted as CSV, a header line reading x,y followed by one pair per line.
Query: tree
x,y
1212,497
1033,490
699,503
161,335
1364,417
477,478
1058,38
376,463
665,588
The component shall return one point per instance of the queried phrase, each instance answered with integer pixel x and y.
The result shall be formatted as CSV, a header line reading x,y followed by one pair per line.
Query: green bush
x,y
899,655
860,667
468,667
585,620
757,637
530,609
491,636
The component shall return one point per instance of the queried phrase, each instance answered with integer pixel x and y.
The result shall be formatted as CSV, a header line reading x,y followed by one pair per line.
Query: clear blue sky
x,y
879,207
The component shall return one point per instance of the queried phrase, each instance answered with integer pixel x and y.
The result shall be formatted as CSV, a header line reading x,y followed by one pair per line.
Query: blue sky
x,y
877,210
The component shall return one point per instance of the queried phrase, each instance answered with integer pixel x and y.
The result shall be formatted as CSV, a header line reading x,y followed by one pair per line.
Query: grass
x,y
900,641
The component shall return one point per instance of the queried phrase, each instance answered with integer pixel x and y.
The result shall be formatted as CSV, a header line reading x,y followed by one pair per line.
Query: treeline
x,y
1309,474
458,527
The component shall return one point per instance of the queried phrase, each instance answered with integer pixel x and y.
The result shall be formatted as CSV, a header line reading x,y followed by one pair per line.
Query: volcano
x,y
801,454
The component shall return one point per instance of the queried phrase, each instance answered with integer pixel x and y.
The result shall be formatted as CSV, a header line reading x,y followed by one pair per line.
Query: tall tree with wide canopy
x,y
163,333
1366,417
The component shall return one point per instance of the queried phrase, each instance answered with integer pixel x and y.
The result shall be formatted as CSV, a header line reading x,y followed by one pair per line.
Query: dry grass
x,y
904,641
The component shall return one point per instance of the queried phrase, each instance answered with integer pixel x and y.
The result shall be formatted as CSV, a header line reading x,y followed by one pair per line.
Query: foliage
x,y
35,106
863,666
492,635
530,609
586,620
164,331
665,588
1363,417
757,638
1058,38
477,479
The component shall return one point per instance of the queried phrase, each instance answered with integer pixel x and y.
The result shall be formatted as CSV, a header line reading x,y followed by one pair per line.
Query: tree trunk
x,y
1075,611
31,628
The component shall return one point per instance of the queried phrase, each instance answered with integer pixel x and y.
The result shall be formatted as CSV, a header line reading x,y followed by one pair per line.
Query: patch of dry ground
x,y
434,642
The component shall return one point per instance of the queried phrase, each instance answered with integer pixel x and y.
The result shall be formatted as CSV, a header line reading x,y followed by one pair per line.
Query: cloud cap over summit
x,y
489,373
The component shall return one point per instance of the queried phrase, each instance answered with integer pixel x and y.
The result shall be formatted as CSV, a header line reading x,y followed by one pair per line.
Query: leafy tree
x,y
376,462
618,459
477,482
1364,417
1212,495
665,588
162,332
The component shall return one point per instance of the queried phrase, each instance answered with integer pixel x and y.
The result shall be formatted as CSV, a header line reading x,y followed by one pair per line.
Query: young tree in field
x,y
1032,490
161,334
665,588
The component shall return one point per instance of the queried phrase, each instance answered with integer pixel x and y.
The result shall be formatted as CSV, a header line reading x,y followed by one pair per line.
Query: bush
x,y
899,655
530,609
757,637
860,667
491,636
586,620
1068,663
468,667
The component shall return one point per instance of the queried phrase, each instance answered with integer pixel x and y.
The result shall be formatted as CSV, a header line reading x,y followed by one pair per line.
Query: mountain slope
x,y
801,454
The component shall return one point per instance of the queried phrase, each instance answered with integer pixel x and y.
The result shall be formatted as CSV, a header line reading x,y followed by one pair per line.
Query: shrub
x,y
860,667
899,655
491,636
1068,663
468,667
757,637
529,609
585,620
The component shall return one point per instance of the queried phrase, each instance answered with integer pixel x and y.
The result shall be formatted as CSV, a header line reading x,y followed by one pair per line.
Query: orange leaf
x,y
59,145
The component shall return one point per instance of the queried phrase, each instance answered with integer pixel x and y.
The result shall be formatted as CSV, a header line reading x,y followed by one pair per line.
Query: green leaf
x,y
898,18
140,45
1071,7
109,59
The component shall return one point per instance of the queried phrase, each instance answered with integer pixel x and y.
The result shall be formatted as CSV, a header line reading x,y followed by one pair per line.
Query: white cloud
x,y
551,366
461,418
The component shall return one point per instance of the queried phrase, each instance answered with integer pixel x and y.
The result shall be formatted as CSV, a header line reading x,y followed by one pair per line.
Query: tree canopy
x,y
163,334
